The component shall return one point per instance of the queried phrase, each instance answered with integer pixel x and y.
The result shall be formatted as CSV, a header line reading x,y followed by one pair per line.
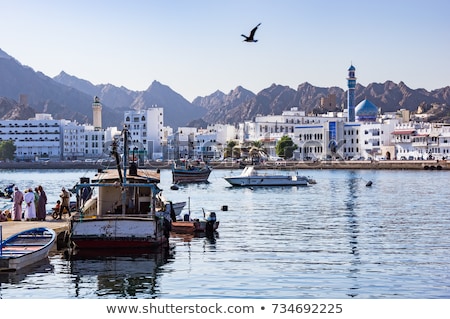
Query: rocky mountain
x,y
13,111
113,96
221,108
388,96
177,110
67,96
43,94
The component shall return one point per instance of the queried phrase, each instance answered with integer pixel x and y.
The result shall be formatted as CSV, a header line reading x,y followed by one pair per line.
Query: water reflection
x,y
124,273
15,277
352,226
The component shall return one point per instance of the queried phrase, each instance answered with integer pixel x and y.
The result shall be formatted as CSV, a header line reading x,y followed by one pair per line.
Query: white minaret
x,y
97,113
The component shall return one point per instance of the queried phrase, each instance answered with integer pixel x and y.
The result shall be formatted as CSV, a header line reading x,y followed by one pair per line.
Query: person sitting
x,y
57,206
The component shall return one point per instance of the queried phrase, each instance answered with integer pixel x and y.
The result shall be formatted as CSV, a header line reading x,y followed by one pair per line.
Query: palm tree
x,y
256,150
232,150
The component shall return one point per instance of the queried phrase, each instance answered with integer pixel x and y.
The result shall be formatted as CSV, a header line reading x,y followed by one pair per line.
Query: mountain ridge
x,y
66,96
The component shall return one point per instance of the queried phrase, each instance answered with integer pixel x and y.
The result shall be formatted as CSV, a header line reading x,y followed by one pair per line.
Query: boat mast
x,y
125,163
116,156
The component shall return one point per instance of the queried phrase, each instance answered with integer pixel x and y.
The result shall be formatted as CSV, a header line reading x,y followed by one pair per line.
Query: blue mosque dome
x,y
351,68
366,111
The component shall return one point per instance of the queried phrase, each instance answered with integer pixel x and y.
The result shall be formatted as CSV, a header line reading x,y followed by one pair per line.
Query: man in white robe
x,y
30,211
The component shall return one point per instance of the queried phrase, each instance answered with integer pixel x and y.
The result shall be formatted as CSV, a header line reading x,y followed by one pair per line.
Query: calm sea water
x,y
335,239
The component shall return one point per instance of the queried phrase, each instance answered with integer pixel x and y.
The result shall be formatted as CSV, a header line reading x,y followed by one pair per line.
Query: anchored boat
x,y
123,213
251,177
190,172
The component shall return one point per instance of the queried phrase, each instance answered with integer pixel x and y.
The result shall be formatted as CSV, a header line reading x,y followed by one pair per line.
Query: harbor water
x,y
337,238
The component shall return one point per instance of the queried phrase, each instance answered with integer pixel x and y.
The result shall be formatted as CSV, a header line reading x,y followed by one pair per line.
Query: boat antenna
x,y
189,206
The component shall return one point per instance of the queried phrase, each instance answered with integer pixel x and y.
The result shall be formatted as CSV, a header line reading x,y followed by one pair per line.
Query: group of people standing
x,y
35,204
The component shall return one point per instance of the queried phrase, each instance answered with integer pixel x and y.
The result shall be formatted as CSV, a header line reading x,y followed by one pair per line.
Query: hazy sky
x,y
196,48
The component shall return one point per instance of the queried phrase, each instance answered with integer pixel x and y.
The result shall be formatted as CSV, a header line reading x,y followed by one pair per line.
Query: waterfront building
x,y
317,137
94,142
206,144
35,139
146,129
74,141
422,140
180,144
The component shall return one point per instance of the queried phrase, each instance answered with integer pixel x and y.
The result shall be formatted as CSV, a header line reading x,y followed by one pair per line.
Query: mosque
x,y
357,131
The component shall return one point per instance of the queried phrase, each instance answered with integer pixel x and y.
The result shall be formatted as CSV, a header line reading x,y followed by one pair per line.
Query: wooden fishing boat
x,y
26,248
122,214
190,172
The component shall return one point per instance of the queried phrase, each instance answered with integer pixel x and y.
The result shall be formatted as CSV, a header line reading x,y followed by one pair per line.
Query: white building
x,y
312,134
74,140
146,129
37,138
94,142
422,140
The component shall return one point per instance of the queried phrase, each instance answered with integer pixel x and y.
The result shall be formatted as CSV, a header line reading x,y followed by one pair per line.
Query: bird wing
x,y
252,33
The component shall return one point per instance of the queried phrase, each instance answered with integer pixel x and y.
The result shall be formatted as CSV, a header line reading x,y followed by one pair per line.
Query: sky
x,y
195,47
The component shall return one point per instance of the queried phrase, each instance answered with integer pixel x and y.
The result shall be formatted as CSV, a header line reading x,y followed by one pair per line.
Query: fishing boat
x,y
26,248
122,214
184,171
208,224
251,177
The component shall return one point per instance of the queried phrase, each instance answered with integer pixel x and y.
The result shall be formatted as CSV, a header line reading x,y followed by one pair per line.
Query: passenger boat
x,y
190,172
26,248
123,213
251,177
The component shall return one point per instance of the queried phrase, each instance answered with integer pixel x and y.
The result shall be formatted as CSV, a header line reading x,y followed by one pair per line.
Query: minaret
x,y
351,83
97,113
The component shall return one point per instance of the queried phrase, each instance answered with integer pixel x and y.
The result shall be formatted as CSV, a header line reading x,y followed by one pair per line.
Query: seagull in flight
x,y
252,34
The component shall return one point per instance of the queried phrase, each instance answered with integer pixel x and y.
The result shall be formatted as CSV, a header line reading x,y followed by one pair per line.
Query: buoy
x,y
224,208
369,183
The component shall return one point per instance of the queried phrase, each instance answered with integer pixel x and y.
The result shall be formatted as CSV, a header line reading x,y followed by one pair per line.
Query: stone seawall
x,y
289,165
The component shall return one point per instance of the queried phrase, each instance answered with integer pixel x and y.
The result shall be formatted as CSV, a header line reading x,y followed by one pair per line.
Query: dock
x,y
10,228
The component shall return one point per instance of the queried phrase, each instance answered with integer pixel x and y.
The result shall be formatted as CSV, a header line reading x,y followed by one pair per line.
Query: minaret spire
x,y
351,83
